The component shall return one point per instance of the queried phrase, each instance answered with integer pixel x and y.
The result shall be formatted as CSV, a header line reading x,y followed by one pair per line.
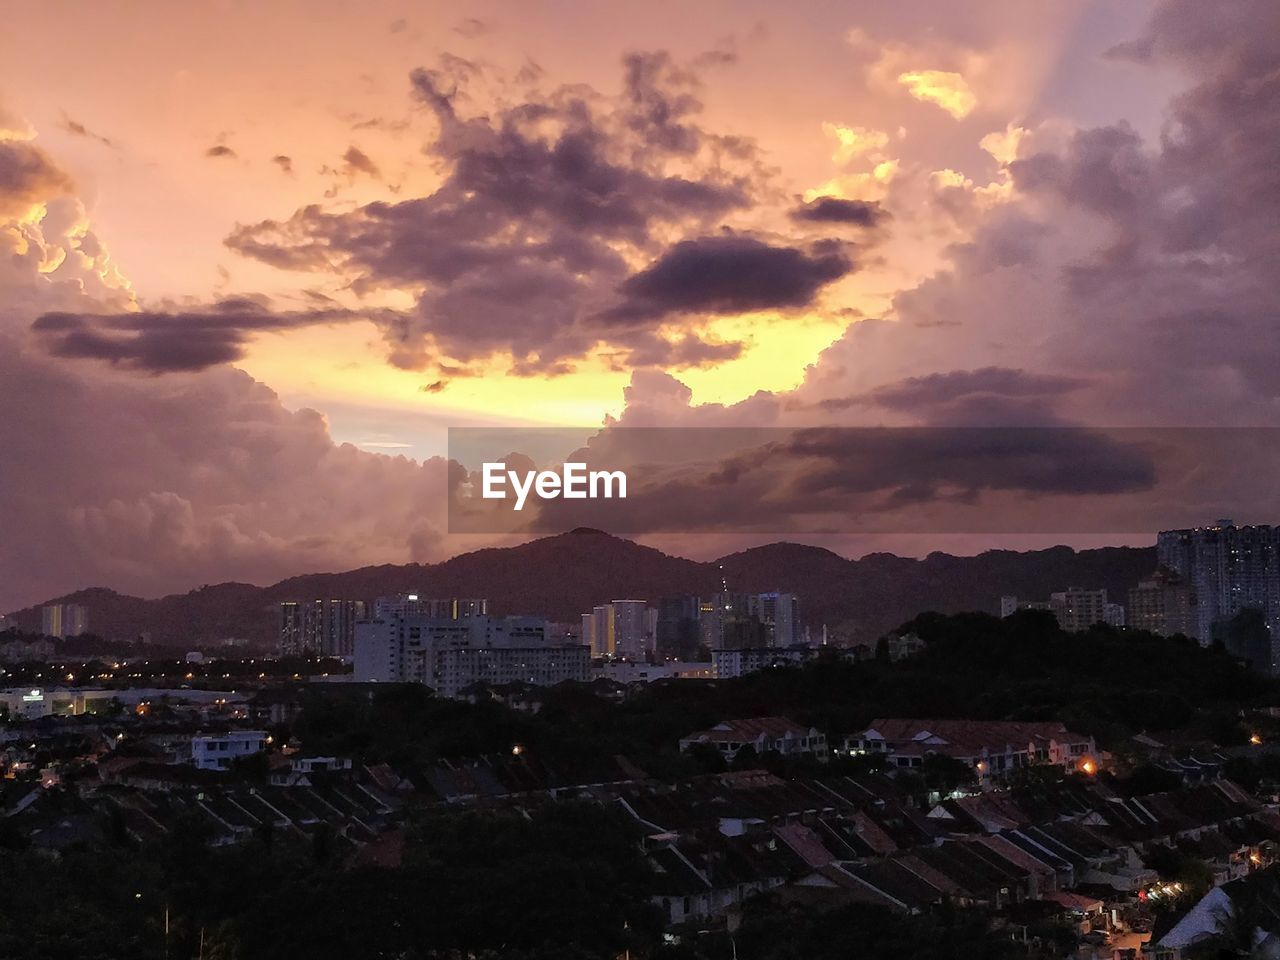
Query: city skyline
x,y
245,296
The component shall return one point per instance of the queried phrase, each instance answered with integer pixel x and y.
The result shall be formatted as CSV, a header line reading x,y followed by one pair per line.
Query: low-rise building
x,y
628,671
763,734
216,751
738,662
451,655
992,748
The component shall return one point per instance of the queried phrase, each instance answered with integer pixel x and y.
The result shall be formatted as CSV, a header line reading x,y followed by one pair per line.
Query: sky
x,y
257,258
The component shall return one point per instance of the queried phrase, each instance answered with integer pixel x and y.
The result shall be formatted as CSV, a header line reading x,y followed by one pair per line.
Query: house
x,y
216,751
992,748
762,734
1248,908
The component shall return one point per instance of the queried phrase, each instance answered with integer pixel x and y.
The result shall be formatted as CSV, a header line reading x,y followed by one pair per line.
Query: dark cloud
x,y
527,238
687,350
473,27
285,163
729,275
1238,37
356,161
220,150
962,394
27,176
1104,169
862,213
152,485
663,99
78,129
168,342
398,25
1141,266
830,480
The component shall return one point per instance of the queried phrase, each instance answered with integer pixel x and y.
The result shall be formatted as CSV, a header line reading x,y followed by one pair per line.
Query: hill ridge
x,y
563,575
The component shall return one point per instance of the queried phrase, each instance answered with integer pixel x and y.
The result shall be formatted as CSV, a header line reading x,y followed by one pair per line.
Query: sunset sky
x,y
255,258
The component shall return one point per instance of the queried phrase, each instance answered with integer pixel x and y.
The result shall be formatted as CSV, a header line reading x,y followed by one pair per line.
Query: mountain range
x,y
564,575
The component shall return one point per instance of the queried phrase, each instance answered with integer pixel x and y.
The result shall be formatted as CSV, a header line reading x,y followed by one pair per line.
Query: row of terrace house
x,y
1072,848
994,749
761,734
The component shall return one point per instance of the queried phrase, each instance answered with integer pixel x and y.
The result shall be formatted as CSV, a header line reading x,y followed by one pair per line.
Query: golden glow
x,y
852,141
344,364
943,88
869,185
164,207
777,352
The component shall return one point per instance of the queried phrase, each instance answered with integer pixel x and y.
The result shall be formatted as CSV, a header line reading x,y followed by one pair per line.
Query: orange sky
x,y
823,94
257,257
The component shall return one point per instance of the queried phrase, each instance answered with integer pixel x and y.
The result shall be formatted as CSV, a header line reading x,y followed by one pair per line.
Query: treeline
x,y
1105,682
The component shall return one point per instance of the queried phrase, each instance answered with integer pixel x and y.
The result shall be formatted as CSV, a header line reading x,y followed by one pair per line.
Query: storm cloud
x,y
861,213
523,246
729,275
27,176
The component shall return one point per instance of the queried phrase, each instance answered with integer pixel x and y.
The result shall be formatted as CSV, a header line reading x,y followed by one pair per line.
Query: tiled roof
x,y
745,731
969,736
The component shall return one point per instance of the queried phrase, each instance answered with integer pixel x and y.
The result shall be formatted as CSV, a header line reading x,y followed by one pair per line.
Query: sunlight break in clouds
x,y
946,89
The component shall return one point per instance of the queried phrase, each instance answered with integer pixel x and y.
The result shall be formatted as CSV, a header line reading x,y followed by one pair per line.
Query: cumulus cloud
x,y
852,142
1120,281
944,88
28,177
13,126
152,484
156,485
1144,267
545,204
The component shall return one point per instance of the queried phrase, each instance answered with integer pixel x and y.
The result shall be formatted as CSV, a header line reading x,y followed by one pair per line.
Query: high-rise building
x,y
1163,603
599,631
449,655
724,619
780,614
1229,568
1247,637
633,627
315,628
676,626
621,628
64,620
